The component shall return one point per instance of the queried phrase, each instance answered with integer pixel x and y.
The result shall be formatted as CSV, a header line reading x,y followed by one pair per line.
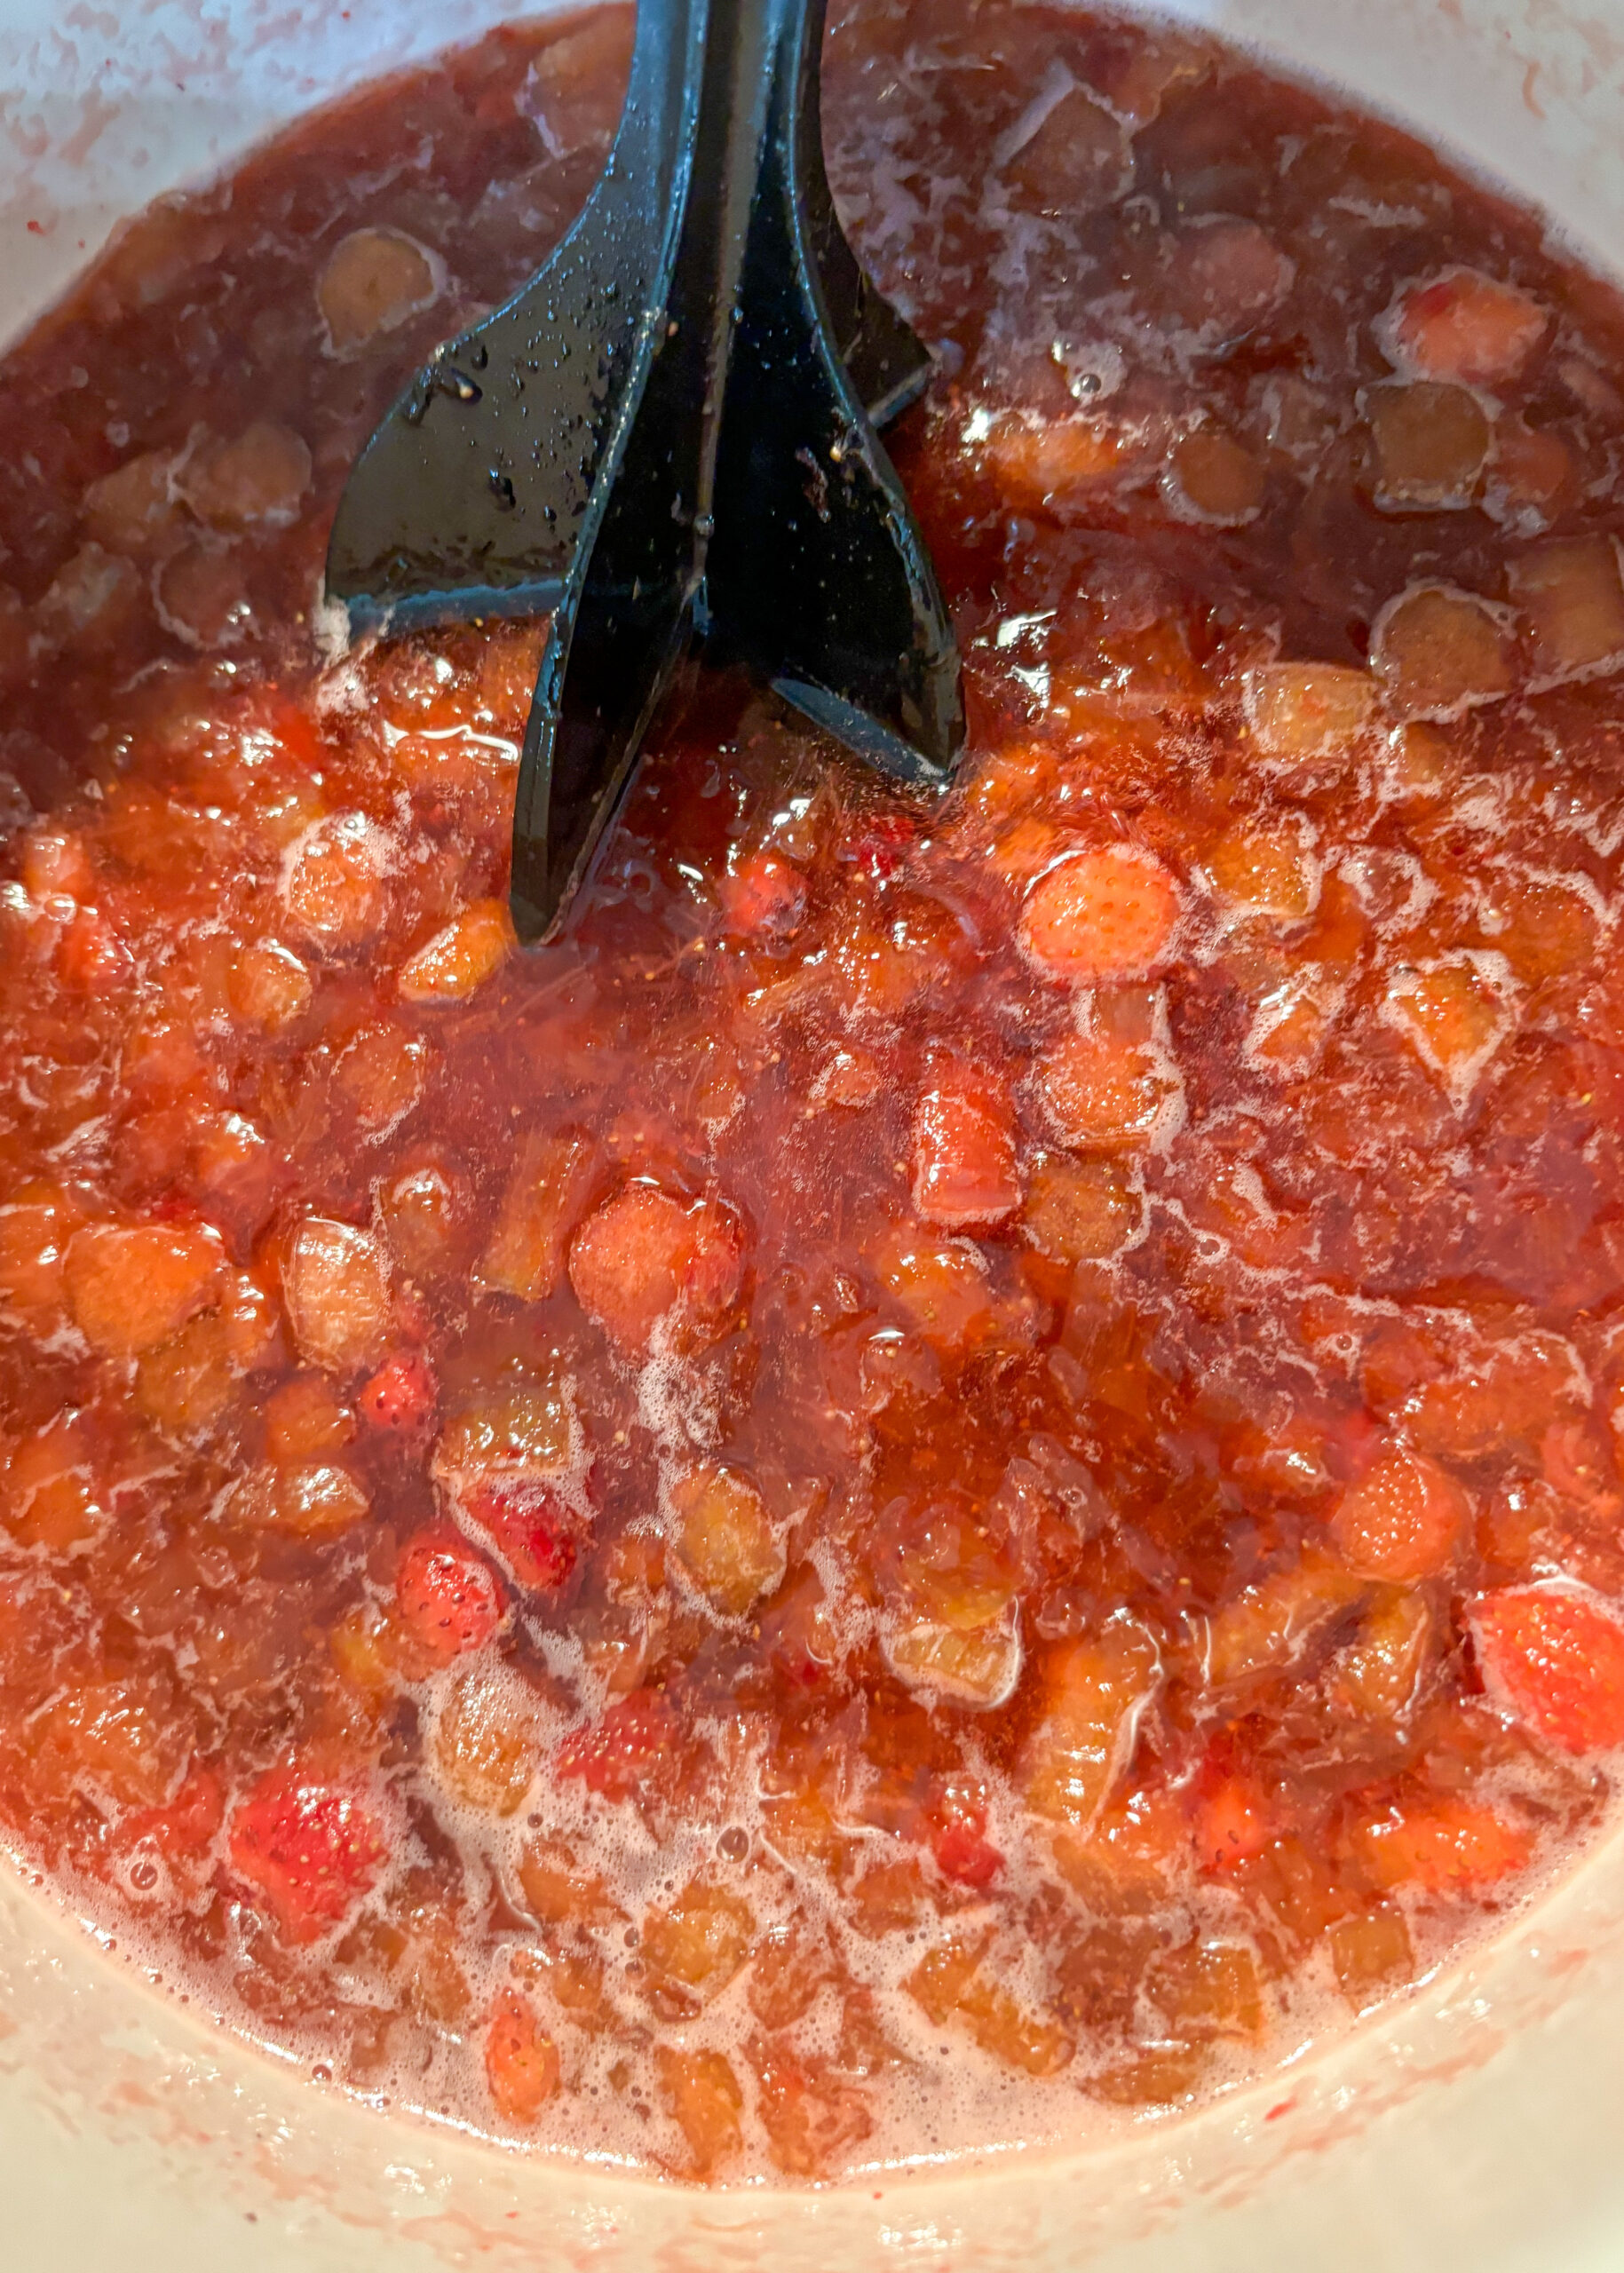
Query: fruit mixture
x,y
958,1470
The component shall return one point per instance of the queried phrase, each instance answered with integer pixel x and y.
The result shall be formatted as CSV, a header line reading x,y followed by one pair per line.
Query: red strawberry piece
x,y
616,1755
1556,1661
448,1598
401,1395
537,1533
957,1818
311,1846
883,845
764,898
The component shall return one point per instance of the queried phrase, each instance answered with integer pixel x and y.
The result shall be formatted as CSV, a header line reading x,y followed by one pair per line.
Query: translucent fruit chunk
x,y
521,2060
1571,599
1299,711
544,1197
1462,326
1372,1954
1103,1093
1094,1691
333,882
701,1939
459,958
964,1161
952,1984
705,2098
1213,477
1439,1845
258,479
374,279
132,1287
487,1742
1438,652
1431,442
725,1538
336,1285
1454,1014
647,1256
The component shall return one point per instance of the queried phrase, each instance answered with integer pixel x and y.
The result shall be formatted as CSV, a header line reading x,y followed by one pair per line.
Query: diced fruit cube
x,y
964,1148
459,959
724,1538
1404,1520
448,1599
1378,1673
626,1753
269,987
1438,1845
704,2095
132,1287
1225,276
311,1846
1164,2075
374,279
425,1215
1556,1660
1235,1822
1438,652
1081,1211
256,479
303,1419
336,1285
1372,1954
1208,1988
958,1837
1095,1692
940,1283
813,2119
1213,477
1103,915
952,1984
1301,711
645,1257
546,1195
1264,872
1572,600
1454,1014
1430,445
333,882
487,1746
310,1498
560,1889
979,1666
1267,1625
1102,1092
701,1939
1462,326
1079,158
521,2061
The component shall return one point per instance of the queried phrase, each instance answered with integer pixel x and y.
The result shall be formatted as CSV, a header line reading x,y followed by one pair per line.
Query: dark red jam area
x,y
987,1429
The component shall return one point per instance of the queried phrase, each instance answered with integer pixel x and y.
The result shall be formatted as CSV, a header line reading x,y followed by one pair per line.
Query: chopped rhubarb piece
x,y
645,1257
521,2062
964,1148
1462,326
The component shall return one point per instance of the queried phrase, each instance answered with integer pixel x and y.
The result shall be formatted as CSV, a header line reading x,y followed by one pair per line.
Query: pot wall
x,y
1481,2117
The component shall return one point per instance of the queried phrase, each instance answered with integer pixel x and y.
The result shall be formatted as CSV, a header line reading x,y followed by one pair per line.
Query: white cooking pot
x,y
1482,2116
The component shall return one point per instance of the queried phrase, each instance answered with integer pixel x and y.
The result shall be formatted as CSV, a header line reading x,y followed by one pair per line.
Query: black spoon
x,y
670,430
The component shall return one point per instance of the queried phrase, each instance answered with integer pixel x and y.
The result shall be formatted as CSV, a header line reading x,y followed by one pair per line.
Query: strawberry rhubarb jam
x,y
957,1471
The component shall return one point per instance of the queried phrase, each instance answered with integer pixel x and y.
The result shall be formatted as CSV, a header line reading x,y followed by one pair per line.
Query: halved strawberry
x,y
1554,1660
312,1848
448,1598
536,1532
616,1755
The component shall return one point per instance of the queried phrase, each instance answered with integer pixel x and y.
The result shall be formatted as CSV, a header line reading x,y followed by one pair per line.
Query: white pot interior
x,y
1480,2117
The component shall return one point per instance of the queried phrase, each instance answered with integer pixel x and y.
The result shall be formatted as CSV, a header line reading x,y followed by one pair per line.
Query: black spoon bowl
x,y
669,432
